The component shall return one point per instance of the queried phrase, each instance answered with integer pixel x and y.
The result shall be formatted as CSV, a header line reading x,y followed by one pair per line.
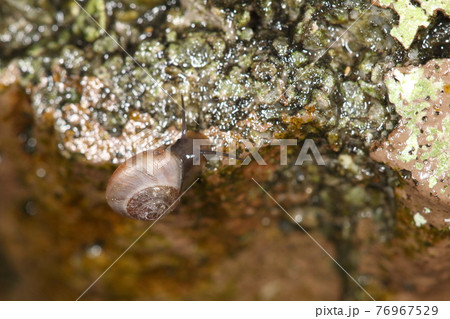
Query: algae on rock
x,y
421,141
412,17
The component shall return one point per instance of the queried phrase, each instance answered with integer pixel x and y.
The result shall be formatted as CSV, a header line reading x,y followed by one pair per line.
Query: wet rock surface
x,y
244,73
412,16
420,142
74,105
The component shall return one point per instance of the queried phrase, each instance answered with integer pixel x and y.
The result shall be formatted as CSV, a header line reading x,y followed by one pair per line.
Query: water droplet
x,y
41,172
94,250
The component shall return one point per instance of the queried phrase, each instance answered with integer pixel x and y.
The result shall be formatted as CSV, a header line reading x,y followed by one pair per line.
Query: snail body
x,y
149,184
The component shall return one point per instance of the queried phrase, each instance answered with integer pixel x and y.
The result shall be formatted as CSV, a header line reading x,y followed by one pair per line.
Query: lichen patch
x,y
421,141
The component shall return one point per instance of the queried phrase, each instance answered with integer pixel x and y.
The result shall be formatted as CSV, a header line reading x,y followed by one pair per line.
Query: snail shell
x,y
146,185
149,184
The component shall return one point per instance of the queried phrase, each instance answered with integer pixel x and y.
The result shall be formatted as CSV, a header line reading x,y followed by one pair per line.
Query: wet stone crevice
x,y
232,62
247,69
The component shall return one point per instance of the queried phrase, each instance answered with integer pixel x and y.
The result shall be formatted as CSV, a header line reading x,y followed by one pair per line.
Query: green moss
x,y
405,89
106,44
411,93
299,59
430,6
412,17
84,24
438,150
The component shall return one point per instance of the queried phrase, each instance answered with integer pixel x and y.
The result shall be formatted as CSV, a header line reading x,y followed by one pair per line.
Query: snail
x,y
149,184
